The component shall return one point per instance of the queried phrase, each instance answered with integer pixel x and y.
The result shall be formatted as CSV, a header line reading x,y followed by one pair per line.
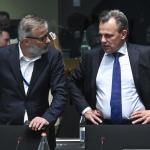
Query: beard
x,y
35,51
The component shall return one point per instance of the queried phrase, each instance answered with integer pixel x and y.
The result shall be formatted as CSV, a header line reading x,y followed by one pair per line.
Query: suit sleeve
x,y
144,76
57,84
75,85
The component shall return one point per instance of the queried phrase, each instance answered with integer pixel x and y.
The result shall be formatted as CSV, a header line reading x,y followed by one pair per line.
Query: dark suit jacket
x,y
82,82
48,73
144,76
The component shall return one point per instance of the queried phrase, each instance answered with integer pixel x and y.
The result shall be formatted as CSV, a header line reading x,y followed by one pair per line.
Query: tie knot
x,y
116,55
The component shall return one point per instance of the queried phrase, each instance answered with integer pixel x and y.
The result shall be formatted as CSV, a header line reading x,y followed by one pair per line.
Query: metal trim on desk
x,y
67,140
68,144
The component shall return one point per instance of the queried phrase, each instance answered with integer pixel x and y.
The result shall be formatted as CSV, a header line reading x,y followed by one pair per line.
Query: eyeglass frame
x,y
41,39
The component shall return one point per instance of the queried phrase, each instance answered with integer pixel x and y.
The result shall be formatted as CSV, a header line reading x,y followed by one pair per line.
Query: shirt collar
x,y
122,50
22,57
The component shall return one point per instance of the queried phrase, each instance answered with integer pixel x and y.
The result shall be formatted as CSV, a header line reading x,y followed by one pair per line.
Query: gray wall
x,y
19,8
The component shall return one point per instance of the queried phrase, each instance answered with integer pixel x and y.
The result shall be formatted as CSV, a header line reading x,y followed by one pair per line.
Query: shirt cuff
x,y
86,109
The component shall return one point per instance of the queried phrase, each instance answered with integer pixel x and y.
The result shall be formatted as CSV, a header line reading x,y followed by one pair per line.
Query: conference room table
x,y
22,138
102,137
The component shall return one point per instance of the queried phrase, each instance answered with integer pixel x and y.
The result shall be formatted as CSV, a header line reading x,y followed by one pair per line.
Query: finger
x,y
137,121
145,122
37,124
34,126
136,116
97,119
97,113
31,124
93,121
90,117
136,113
40,126
147,116
46,122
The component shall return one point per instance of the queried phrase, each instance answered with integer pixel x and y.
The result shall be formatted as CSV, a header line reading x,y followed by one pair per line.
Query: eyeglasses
x,y
41,39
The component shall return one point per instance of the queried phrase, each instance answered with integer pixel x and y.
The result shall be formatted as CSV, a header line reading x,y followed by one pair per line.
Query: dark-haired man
x,y
111,82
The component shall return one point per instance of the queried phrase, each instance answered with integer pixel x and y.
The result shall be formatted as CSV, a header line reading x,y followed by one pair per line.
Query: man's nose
x,y
48,39
103,39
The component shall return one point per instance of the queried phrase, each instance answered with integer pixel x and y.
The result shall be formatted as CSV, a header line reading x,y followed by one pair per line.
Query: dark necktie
x,y
115,102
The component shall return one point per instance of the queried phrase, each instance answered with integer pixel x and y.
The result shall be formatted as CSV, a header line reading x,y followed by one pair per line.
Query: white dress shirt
x,y
26,66
130,98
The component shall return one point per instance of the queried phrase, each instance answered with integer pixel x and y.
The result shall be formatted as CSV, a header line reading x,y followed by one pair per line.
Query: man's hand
x,y
37,123
142,117
94,116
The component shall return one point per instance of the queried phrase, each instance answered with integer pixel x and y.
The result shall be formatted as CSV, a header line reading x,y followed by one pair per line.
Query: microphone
x,y
19,140
102,140
27,122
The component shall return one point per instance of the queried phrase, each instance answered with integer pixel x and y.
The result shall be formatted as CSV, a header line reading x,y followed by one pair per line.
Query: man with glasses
x,y
28,71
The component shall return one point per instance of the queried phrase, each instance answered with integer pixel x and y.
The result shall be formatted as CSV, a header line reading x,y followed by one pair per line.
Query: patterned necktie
x,y
115,102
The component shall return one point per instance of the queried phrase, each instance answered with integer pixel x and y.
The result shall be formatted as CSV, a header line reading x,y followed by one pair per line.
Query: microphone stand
x,y
102,140
18,142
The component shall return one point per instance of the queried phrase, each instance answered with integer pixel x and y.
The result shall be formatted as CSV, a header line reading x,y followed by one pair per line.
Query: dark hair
x,y
4,20
121,19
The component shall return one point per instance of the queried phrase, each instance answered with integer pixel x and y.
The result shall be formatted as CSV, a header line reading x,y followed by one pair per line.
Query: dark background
x,y
73,20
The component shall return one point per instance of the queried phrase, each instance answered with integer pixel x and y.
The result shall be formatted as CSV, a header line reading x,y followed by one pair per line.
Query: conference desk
x,y
117,137
22,138
111,137
102,137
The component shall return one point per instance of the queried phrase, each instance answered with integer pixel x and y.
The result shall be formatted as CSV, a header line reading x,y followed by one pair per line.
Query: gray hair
x,y
28,24
121,19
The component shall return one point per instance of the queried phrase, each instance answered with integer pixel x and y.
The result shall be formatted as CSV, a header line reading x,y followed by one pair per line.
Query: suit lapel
x,y
15,67
133,53
38,69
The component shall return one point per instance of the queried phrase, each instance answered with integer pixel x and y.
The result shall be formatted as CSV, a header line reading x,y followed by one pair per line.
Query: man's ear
x,y
124,34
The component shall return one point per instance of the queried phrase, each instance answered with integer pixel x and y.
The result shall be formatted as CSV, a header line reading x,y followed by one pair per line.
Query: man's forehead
x,y
108,26
4,34
40,31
